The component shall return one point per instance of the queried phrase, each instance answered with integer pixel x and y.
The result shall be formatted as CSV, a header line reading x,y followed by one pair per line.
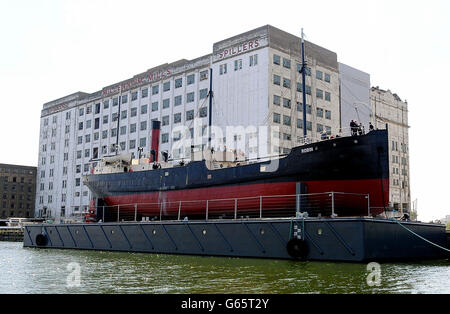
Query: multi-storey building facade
x,y
388,108
256,82
18,189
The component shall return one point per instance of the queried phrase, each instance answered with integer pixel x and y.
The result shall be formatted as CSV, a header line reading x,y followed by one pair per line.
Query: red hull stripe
x,y
194,200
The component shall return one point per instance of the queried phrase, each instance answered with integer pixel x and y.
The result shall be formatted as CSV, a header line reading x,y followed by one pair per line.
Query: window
x,y
178,82
203,75
276,117
142,142
80,126
327,78
113,132
319,127
327,96
155,90
286,120
115,101
68,115
96,123
319,75
88,138
81,112
123,115
134,95
104,134
105,119
144,93
203,93
328,114
319,93
122,146
133,111
88,124
190,97
190,79
80,141
123,130
189,115
286,83
237,64
308,90
155,106
165,138
133,128
177,117
286,103
165,120
88,109
319,112
143,110
286,63
166,86
166,103
97,108
132,144
276,100
223,69
276,79
87,153
67,130
106,104
253,60
276,59
143,126
203,112
299,87
177,100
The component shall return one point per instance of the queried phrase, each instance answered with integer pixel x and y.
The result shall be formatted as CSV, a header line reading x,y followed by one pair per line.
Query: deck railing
x,y
330,204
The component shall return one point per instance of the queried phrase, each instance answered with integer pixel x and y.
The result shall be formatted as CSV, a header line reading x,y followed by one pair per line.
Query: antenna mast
x,y
304,86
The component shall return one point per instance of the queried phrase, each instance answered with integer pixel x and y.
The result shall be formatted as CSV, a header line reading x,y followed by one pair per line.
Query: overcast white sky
x,y
51,48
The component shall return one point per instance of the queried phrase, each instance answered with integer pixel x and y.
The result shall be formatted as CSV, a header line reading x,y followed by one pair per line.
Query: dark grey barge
x,y
322,239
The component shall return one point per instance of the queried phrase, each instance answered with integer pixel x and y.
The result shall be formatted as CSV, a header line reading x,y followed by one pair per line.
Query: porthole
x,y
154,232
76,231
334,144
261,231
204,232
355,141
319,231
112,231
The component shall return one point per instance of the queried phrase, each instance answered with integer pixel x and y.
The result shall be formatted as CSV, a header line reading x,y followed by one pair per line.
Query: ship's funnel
x,y
156,127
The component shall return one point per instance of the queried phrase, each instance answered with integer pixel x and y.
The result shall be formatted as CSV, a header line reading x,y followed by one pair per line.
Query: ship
x,y
211,180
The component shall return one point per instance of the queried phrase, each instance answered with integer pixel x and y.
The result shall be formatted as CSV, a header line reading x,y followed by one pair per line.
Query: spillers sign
x,y
137,81
244,47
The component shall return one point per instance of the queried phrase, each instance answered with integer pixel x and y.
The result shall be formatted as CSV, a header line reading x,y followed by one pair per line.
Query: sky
x,y
50,49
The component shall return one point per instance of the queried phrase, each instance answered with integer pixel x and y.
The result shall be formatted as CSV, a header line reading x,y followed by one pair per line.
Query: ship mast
x,y
303,71
210,94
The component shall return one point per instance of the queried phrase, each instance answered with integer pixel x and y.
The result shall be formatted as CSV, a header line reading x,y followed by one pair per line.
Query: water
x,y
29,270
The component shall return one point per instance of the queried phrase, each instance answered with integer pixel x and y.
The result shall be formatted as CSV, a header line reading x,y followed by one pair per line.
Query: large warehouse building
x,y
256,83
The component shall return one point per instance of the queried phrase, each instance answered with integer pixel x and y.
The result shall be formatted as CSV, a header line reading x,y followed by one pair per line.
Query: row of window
x,y
287,84
252,62
287,64
287,122
287,104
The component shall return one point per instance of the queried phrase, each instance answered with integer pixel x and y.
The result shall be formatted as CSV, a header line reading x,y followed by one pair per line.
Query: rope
x,y
443,248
